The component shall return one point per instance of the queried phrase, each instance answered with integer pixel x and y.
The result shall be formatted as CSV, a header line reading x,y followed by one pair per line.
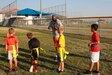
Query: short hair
x,y
11,30
94,26
53,16
29,34
60,29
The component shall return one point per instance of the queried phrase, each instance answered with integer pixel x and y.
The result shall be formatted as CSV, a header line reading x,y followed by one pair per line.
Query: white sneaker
x,y
31,69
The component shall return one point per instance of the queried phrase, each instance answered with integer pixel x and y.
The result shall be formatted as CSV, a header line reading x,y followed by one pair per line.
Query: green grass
x,y
76,63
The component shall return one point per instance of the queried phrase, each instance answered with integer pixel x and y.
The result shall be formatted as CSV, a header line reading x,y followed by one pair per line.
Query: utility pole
x,y
65,9
40,9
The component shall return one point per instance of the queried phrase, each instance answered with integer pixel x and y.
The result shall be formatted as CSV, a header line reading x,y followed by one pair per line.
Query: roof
x,y
30,12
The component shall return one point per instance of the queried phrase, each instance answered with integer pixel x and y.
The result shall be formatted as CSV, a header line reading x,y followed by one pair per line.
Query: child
x,y
94,46
34,46
61,50
11,44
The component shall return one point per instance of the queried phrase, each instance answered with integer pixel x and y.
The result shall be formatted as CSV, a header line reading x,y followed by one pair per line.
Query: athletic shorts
x,y
55,39
94,56
34,55
59,58
11,55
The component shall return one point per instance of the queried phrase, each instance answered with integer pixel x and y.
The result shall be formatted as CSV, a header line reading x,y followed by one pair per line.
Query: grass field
x,y
76,63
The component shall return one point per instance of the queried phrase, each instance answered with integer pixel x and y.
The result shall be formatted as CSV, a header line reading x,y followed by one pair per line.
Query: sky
x,y
75,8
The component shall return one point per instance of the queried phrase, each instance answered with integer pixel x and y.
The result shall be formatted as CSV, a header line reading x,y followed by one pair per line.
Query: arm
x,y
93,43
6,48
17,48
49,27
59,23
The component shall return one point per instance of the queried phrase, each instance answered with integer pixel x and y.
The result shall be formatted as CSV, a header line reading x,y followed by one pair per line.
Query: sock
x,y
59,69
15,68
10,69
56,56
31,68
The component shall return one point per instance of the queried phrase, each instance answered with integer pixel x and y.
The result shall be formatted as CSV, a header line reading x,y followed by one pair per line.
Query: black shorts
x,y
34,55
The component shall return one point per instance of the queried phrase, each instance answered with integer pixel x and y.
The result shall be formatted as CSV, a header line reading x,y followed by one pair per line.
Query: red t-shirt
x,y
11,40
95,38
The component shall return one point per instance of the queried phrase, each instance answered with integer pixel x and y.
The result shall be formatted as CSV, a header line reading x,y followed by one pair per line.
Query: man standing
x,y
54,25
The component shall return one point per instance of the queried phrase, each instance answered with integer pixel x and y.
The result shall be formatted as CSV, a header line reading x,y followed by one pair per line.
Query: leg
x,y
59,66
62,66
31,67
35,65
97,66
10,65
55,39
91,66
16,64
10,60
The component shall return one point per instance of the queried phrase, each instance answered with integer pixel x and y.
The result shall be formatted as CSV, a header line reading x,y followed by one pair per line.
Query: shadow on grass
x,y
48,59
24,50
87,57
3,59
4,68
73,68
77,55
26,55
23,59
2,46
43,59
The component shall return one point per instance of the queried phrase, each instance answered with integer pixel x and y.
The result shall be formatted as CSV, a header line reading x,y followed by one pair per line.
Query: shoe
x,y
55,57
97,72
31,69
60,72
88,72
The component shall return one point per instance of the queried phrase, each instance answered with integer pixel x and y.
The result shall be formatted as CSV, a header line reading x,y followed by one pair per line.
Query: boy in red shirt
x,y
94,46
11,44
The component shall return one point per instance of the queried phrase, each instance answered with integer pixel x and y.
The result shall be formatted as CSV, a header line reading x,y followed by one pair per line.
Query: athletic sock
x,y
31,68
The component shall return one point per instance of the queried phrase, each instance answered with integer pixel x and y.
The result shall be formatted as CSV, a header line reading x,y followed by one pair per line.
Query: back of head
x,y
11,31
61,30
29,35
94,26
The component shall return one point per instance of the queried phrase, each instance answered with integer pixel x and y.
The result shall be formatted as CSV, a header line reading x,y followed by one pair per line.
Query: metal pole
x,y
40,11
16,13
65,9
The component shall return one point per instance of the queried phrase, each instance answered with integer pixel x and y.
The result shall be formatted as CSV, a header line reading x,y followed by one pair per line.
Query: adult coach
x,y
54,25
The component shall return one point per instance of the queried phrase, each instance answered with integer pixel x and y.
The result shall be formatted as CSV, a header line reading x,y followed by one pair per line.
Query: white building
x,y
1,19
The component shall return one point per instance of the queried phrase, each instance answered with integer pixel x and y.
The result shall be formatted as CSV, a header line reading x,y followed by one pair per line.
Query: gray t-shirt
x,y
55,25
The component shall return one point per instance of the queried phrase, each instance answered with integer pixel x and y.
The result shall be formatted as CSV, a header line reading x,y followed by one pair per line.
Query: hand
x,y
59,45
89,44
